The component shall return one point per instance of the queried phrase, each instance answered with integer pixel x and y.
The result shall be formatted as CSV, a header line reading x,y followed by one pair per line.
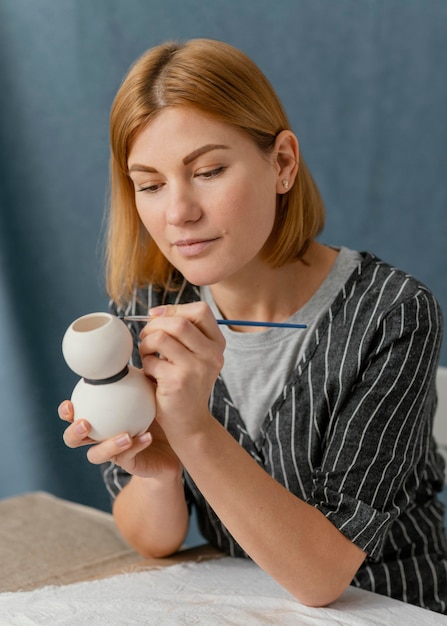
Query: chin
x,y
202,279
199,274
200,282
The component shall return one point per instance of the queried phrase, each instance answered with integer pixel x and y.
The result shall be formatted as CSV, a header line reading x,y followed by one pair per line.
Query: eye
x,y
211,173
150,188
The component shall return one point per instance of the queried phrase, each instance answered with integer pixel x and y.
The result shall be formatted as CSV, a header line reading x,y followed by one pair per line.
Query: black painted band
x,y
108,381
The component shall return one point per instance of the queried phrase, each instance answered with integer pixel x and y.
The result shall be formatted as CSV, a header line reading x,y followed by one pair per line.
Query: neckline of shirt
x,y
272,336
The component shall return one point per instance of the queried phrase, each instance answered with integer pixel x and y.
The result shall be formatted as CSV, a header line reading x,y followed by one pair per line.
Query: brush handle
x,y
263,324
146,318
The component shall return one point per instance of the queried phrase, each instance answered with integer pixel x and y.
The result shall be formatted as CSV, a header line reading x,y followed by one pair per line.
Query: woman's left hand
x,y
182,351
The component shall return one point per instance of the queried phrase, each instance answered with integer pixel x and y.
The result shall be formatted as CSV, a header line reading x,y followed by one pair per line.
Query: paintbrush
x,y
147,318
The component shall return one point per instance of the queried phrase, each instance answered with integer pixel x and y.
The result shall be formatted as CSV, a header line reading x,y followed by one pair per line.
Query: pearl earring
x,y
285,183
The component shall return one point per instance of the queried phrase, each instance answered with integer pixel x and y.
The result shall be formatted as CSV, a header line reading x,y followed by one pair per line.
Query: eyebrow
x,y
136,167
203,150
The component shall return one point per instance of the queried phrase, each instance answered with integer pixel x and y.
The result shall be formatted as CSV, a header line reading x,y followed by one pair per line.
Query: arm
x,y
288,538
159,515
150,510
378,432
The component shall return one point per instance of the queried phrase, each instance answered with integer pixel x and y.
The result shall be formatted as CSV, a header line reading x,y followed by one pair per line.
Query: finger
x,y
77,434
173,341
160,351
119,449
156,368
169,336
65,411
198,313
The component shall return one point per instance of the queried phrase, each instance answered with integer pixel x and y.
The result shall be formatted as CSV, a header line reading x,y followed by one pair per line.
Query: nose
x,y
183,206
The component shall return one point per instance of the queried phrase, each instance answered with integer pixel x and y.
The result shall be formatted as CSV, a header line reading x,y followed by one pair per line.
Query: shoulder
x,y
380,306
383,287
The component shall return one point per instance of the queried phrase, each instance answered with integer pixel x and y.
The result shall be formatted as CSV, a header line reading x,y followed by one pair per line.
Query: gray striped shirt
x,y
350,433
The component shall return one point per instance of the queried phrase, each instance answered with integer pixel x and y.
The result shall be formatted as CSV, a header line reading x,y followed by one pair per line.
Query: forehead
x,y
178,130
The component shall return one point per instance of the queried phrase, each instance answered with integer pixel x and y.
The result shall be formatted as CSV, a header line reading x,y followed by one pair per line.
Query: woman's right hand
x,y
148,455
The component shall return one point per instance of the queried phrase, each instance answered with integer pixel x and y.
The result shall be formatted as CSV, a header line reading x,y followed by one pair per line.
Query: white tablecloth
x,y
223,591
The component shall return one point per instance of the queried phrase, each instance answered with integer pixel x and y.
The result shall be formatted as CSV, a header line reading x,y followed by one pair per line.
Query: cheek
x,y
153,226
147,217
260,205
251,195
250,221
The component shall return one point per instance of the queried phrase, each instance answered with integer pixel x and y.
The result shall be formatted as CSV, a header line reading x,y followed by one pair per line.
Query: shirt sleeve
x,y
115,478
379,435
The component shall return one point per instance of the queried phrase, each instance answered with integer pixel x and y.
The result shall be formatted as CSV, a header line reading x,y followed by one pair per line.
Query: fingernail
x,y
64,411
123,441
157,311
80,428
145,438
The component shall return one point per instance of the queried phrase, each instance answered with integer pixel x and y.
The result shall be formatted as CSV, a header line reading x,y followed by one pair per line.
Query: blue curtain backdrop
x,y
365,87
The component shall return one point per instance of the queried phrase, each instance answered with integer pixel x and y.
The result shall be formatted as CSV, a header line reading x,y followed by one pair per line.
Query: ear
x,y
287,155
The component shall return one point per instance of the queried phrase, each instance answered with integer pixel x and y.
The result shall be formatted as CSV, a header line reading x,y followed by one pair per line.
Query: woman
x,y
310,451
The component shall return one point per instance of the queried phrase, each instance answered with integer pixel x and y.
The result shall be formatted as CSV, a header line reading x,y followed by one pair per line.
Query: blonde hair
x,y
219,81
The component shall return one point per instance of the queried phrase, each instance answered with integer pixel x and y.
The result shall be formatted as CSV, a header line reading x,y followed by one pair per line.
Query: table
x,y
45,540
64,563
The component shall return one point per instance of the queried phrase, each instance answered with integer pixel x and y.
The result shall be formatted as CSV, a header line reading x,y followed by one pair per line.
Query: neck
x,y
274,294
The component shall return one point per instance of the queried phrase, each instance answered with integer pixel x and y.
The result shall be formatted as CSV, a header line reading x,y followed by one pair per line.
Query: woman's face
x,y
205,193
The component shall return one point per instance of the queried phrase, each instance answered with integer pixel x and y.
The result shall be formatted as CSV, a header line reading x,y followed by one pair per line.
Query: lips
x,y
193,247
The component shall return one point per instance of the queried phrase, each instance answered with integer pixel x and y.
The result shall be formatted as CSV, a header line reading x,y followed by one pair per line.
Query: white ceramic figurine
x,y
113,396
